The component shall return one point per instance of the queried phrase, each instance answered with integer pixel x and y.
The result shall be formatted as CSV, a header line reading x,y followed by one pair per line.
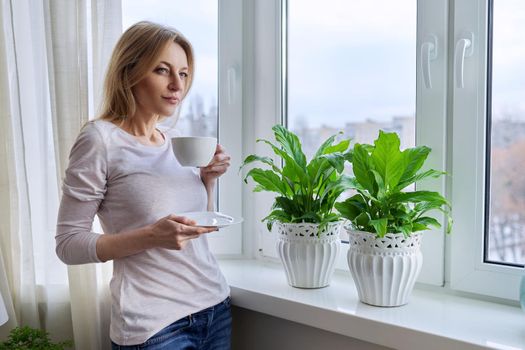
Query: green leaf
x,y
363,219
325,145
281,153
289,206
308,217
381,188
351,207
418,177
331,217
266,160
341,147
335,188
422,207
368,148
290,144
387,158
317,170
427,221
267,180
419,196
276,215
406,229
419,227
280,215
336,160
380,226
449,224
414,159
362,168
293,171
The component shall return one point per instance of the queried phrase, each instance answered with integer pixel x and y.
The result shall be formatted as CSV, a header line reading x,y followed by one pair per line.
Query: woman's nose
x,y
175,84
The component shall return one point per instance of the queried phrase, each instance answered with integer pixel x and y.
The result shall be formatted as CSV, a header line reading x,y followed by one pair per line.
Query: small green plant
x,y
27,338
306,191
381,173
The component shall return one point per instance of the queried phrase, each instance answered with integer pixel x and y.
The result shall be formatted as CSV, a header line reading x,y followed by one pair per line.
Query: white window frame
x,y
431,112
228,241
267,80
468,271
456,261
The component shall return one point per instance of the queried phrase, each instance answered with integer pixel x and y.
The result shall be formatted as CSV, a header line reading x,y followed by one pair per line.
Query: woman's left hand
x,y
218,166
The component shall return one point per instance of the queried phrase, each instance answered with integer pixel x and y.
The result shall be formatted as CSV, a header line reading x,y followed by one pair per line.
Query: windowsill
x,y
429,321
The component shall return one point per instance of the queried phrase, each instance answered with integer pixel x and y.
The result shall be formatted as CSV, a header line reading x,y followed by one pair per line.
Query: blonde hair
x,y
135,53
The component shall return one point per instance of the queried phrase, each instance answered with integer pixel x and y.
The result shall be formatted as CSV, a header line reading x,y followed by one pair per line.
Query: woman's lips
x,y
172,100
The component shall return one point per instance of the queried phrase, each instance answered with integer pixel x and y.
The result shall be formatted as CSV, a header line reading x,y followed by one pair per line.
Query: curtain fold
x,y
18,279
66,44
106,27
52,59
89,34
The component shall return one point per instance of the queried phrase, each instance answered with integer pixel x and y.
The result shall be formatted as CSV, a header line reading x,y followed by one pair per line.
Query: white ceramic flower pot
x,y
384,269
308,260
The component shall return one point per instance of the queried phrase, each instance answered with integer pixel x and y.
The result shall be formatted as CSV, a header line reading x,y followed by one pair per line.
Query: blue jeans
x,y
209,329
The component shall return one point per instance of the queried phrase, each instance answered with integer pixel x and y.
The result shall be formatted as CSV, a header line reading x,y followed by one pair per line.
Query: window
x,y
356,67
213,28
486,247
505,212
459,77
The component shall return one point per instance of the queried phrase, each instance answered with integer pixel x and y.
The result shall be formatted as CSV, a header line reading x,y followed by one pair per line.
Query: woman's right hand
x,y
174,231
171,232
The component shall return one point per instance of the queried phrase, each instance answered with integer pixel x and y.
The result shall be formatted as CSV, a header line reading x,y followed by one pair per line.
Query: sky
x,y
348,60
508,89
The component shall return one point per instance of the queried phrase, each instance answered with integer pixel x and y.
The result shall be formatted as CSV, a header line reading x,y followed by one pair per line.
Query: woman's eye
x,y
162,70
183,75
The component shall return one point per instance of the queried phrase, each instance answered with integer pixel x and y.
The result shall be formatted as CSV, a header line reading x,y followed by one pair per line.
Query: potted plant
x,y
386,222
303,211
27,338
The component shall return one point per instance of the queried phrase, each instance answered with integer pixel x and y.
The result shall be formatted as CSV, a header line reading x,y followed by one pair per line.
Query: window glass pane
x,y
351,67
506,220
198,21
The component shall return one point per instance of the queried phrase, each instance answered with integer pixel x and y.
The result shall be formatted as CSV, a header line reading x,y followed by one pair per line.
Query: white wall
x,y
256,331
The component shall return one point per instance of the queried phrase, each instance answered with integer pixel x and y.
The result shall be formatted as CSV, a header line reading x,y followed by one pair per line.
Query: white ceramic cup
x,y
194,151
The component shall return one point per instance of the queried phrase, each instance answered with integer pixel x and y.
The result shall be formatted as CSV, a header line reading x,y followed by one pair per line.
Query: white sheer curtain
x,y
52,57
20,217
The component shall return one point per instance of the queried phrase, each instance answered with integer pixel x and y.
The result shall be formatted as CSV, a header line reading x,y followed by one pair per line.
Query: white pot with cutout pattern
x,y
308,257
384,269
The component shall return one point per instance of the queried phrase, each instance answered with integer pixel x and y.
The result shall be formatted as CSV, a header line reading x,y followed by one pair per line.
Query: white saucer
x,y
212,218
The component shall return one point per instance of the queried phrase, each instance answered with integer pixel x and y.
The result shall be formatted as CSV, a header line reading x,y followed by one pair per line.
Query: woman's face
x,y
161,90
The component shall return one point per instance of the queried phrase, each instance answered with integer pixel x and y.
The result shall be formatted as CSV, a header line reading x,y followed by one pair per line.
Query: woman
x,y
167,290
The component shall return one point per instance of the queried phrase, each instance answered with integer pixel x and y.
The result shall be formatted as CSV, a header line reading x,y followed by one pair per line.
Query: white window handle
x,y
464,48
232,77
429,51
